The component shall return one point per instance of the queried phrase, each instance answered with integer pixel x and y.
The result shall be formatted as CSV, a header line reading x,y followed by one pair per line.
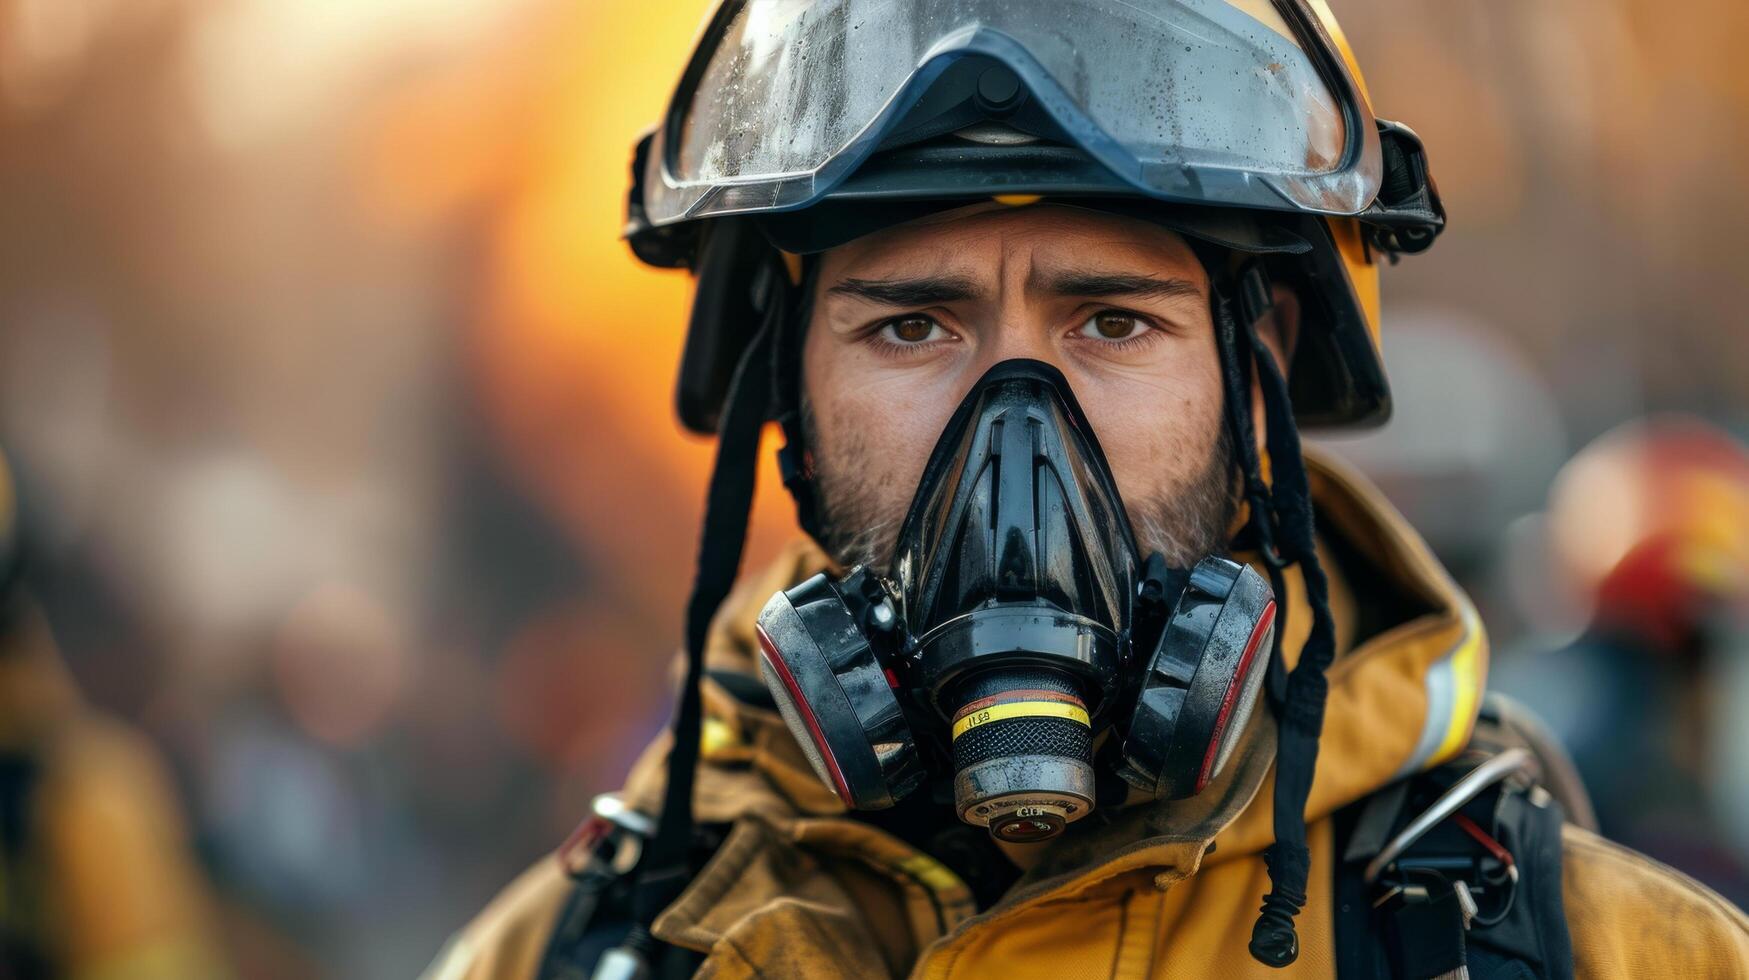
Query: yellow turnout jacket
x,y
1164,890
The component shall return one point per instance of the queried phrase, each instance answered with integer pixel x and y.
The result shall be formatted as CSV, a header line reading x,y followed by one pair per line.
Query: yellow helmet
x,y
1242,124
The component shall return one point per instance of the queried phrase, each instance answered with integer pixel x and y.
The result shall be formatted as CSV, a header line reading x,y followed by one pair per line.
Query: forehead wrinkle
x,y
1167,260
907,260
1170,250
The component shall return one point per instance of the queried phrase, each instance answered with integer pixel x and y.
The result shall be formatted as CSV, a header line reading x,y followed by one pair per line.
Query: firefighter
x,y
1084,667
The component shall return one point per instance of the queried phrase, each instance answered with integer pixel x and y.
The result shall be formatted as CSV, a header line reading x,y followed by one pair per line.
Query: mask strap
x,y
666,866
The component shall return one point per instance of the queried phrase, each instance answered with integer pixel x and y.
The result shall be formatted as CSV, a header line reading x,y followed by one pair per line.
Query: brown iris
x,y
1113,325
913,329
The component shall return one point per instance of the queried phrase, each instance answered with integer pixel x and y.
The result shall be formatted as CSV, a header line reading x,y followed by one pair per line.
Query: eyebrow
x,y
1085,283
921,291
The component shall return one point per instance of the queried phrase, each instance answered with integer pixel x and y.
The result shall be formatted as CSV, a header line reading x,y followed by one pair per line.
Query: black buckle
x,y
608,842
1407,215
1431,923
1255,299
668,247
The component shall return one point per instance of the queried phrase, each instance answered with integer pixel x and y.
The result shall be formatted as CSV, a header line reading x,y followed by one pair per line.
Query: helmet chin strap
x,y
1281,524
666,865
793,461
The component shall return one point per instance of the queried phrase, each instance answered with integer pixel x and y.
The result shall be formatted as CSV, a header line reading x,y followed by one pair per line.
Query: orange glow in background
x,y
574,343
350,416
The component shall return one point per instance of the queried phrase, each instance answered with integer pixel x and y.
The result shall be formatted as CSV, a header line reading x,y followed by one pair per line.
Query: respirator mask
x,y
1015,631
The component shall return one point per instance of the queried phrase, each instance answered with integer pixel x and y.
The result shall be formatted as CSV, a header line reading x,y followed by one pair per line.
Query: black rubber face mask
x,y
1017,624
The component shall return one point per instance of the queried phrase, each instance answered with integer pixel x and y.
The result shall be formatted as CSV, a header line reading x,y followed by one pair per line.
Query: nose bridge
x,y
1020,329
1020,334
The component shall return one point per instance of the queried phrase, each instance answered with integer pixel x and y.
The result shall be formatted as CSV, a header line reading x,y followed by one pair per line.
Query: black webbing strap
x,y
1302,713
786,375
666,866
1282,525
1236,362
1430,934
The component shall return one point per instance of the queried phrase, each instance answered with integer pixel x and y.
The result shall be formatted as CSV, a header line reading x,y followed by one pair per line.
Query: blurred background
x,y
345,421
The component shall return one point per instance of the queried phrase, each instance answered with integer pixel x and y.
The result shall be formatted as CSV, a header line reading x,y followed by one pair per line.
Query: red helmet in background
x,y
1650,523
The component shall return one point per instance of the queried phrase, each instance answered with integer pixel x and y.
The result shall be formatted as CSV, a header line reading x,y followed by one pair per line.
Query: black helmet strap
x,y
1282,529
793,461
666,865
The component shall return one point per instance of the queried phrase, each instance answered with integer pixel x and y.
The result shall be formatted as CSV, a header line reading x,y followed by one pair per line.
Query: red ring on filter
x,y
1259,636
775,661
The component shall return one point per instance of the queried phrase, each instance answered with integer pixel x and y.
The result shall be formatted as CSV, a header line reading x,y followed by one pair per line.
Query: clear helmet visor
x,y
1204,101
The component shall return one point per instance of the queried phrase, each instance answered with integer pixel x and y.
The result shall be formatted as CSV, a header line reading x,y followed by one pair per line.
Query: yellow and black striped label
x,y
1004,710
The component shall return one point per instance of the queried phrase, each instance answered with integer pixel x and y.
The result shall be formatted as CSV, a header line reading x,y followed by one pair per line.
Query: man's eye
x,y
1114,325
912,330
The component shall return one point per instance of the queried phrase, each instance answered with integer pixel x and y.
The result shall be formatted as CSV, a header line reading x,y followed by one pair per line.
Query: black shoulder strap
x,y
599,913
1479,892
595,920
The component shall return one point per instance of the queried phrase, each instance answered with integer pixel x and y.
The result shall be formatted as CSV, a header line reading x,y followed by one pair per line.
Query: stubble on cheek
x,y
861,501
1189,520
864,493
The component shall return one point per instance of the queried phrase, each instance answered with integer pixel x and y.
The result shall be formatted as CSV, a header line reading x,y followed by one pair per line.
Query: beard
x,y
860,517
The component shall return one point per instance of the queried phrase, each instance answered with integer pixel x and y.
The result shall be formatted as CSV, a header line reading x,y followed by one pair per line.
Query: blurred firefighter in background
x,y
1649,529
97,879
1064,634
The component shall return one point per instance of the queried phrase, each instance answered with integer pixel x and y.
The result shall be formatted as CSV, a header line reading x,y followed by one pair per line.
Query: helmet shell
x,y
1337,377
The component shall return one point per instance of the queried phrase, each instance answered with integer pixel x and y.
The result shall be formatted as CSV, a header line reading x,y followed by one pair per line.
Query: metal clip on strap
x,y
1506,764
